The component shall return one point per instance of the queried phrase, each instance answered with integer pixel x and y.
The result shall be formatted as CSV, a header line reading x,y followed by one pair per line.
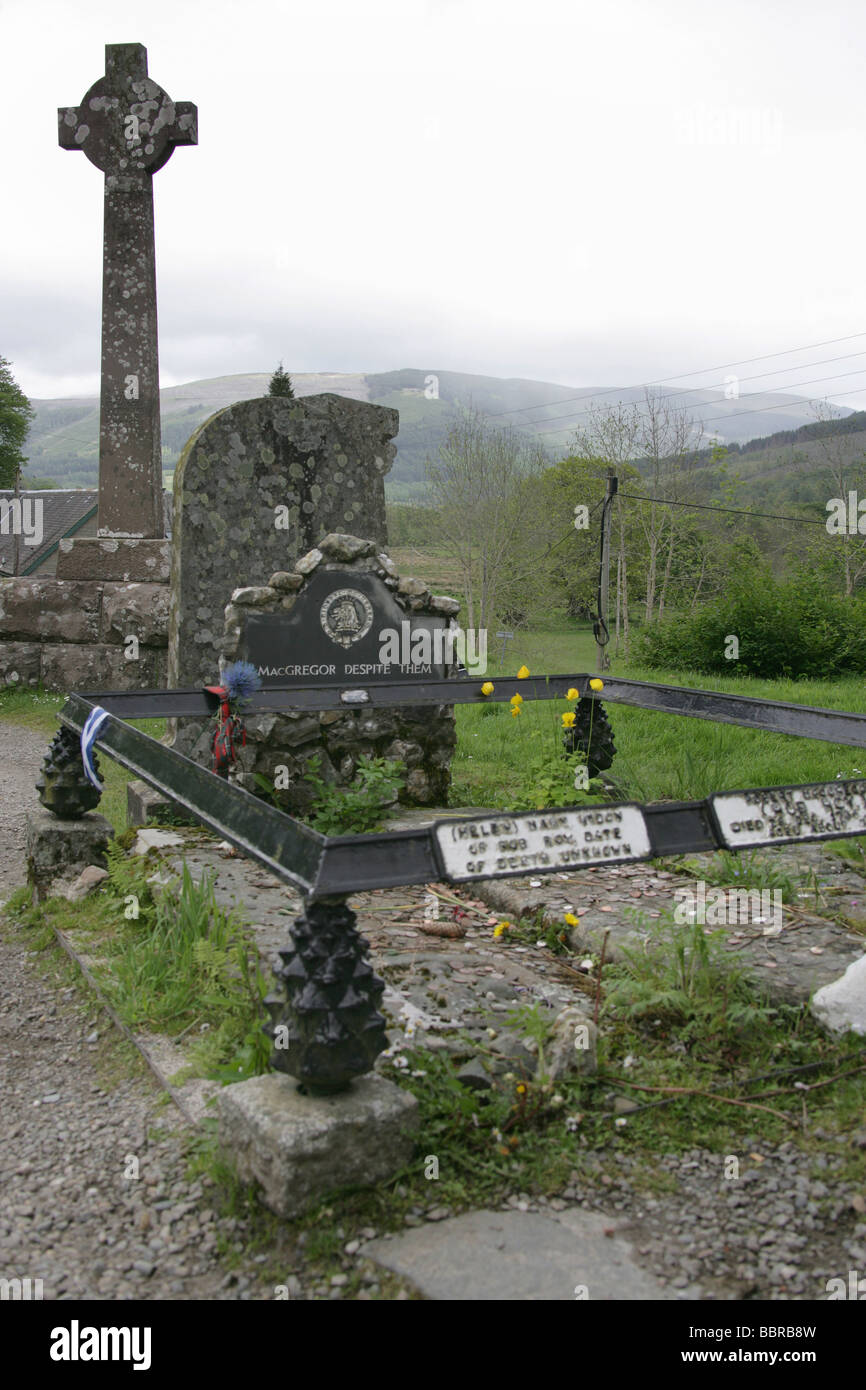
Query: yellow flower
x,y
515,711
568,721
516,700
500,928
523,673
570,920
572,694
521,1090
487,688
596,684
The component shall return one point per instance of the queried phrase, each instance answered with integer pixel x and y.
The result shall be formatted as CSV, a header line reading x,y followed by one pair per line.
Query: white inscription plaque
x,y
541,841
777,815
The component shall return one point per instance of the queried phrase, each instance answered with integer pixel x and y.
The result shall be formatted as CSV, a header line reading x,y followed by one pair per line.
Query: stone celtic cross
x,y
128,127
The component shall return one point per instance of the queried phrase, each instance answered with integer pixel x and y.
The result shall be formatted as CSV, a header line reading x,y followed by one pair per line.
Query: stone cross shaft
x,y
128,127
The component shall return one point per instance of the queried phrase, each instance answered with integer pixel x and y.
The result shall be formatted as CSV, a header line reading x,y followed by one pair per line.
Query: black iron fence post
x,y
325,1025
63,785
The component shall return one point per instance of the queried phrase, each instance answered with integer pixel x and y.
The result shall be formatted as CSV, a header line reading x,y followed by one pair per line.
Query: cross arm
x,y
72,129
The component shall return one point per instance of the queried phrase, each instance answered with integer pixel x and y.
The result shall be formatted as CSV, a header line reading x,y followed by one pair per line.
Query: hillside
x,y
63,442
792,468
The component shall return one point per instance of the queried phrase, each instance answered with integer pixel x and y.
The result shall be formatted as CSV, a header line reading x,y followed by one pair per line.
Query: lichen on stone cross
x,y
128,127
126,124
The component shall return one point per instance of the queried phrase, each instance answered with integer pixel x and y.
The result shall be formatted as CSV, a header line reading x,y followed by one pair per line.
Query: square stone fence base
x,y
107,629
298,1148
58,850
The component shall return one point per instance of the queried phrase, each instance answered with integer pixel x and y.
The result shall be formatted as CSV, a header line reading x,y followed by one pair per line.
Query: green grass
x,y
116,1059
173,965
183,962
31,709
686,1015
660,757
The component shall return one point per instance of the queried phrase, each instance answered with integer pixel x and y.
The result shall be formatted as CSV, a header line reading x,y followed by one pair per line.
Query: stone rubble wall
x,y
71,634
422,737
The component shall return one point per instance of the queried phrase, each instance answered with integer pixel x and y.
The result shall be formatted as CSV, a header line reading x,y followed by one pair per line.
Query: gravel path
x,y
73,1137
71,1129
21,754
781,1229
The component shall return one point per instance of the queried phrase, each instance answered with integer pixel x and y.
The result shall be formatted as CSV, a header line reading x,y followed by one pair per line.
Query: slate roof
x,y
64,511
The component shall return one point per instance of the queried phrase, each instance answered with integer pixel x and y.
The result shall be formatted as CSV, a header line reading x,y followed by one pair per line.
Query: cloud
x,y
585,197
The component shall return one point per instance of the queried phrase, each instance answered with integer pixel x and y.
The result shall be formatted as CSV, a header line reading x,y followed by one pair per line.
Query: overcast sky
x,y
593,194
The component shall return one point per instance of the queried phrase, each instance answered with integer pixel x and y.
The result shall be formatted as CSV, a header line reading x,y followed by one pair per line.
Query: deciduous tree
x,y
16,412
476,486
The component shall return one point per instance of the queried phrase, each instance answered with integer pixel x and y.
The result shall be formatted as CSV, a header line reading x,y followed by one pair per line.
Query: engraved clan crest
x,y
346,616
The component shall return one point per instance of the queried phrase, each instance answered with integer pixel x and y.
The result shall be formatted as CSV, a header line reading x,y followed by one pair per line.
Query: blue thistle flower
x,y
241,680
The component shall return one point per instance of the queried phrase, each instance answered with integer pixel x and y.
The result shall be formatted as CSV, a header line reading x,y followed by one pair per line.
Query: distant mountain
x,y
64,440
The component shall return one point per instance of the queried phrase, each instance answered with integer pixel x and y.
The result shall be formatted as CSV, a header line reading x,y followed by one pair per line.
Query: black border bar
x,y
771,716
322,866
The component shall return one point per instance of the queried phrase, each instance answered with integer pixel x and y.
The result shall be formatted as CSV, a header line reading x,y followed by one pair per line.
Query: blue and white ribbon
x,y
89,734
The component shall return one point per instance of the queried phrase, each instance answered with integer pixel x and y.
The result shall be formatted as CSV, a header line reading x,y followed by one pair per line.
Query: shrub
x,y
362,805
791,628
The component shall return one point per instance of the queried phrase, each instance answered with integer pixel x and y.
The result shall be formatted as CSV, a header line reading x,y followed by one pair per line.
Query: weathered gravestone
x,y
257,487
343,616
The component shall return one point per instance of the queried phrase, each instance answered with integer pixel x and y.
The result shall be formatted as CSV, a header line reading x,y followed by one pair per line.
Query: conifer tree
x,y
281,384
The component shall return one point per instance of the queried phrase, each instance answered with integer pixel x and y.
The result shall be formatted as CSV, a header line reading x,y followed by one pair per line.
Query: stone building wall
x,y
70,631
73,634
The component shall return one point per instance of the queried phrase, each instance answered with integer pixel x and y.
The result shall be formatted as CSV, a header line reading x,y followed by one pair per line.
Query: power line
x,y
716,386
814,381
762,410
734,511
811,400
759,376
698,371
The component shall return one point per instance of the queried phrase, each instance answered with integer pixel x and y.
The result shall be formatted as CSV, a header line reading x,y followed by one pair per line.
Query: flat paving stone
x,y
811,951
520,1256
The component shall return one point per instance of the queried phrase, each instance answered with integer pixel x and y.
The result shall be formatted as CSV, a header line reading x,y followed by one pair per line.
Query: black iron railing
x,y
325,1025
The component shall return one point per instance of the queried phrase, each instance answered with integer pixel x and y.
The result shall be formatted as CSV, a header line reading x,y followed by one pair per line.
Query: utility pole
x,y
16,515
602,635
